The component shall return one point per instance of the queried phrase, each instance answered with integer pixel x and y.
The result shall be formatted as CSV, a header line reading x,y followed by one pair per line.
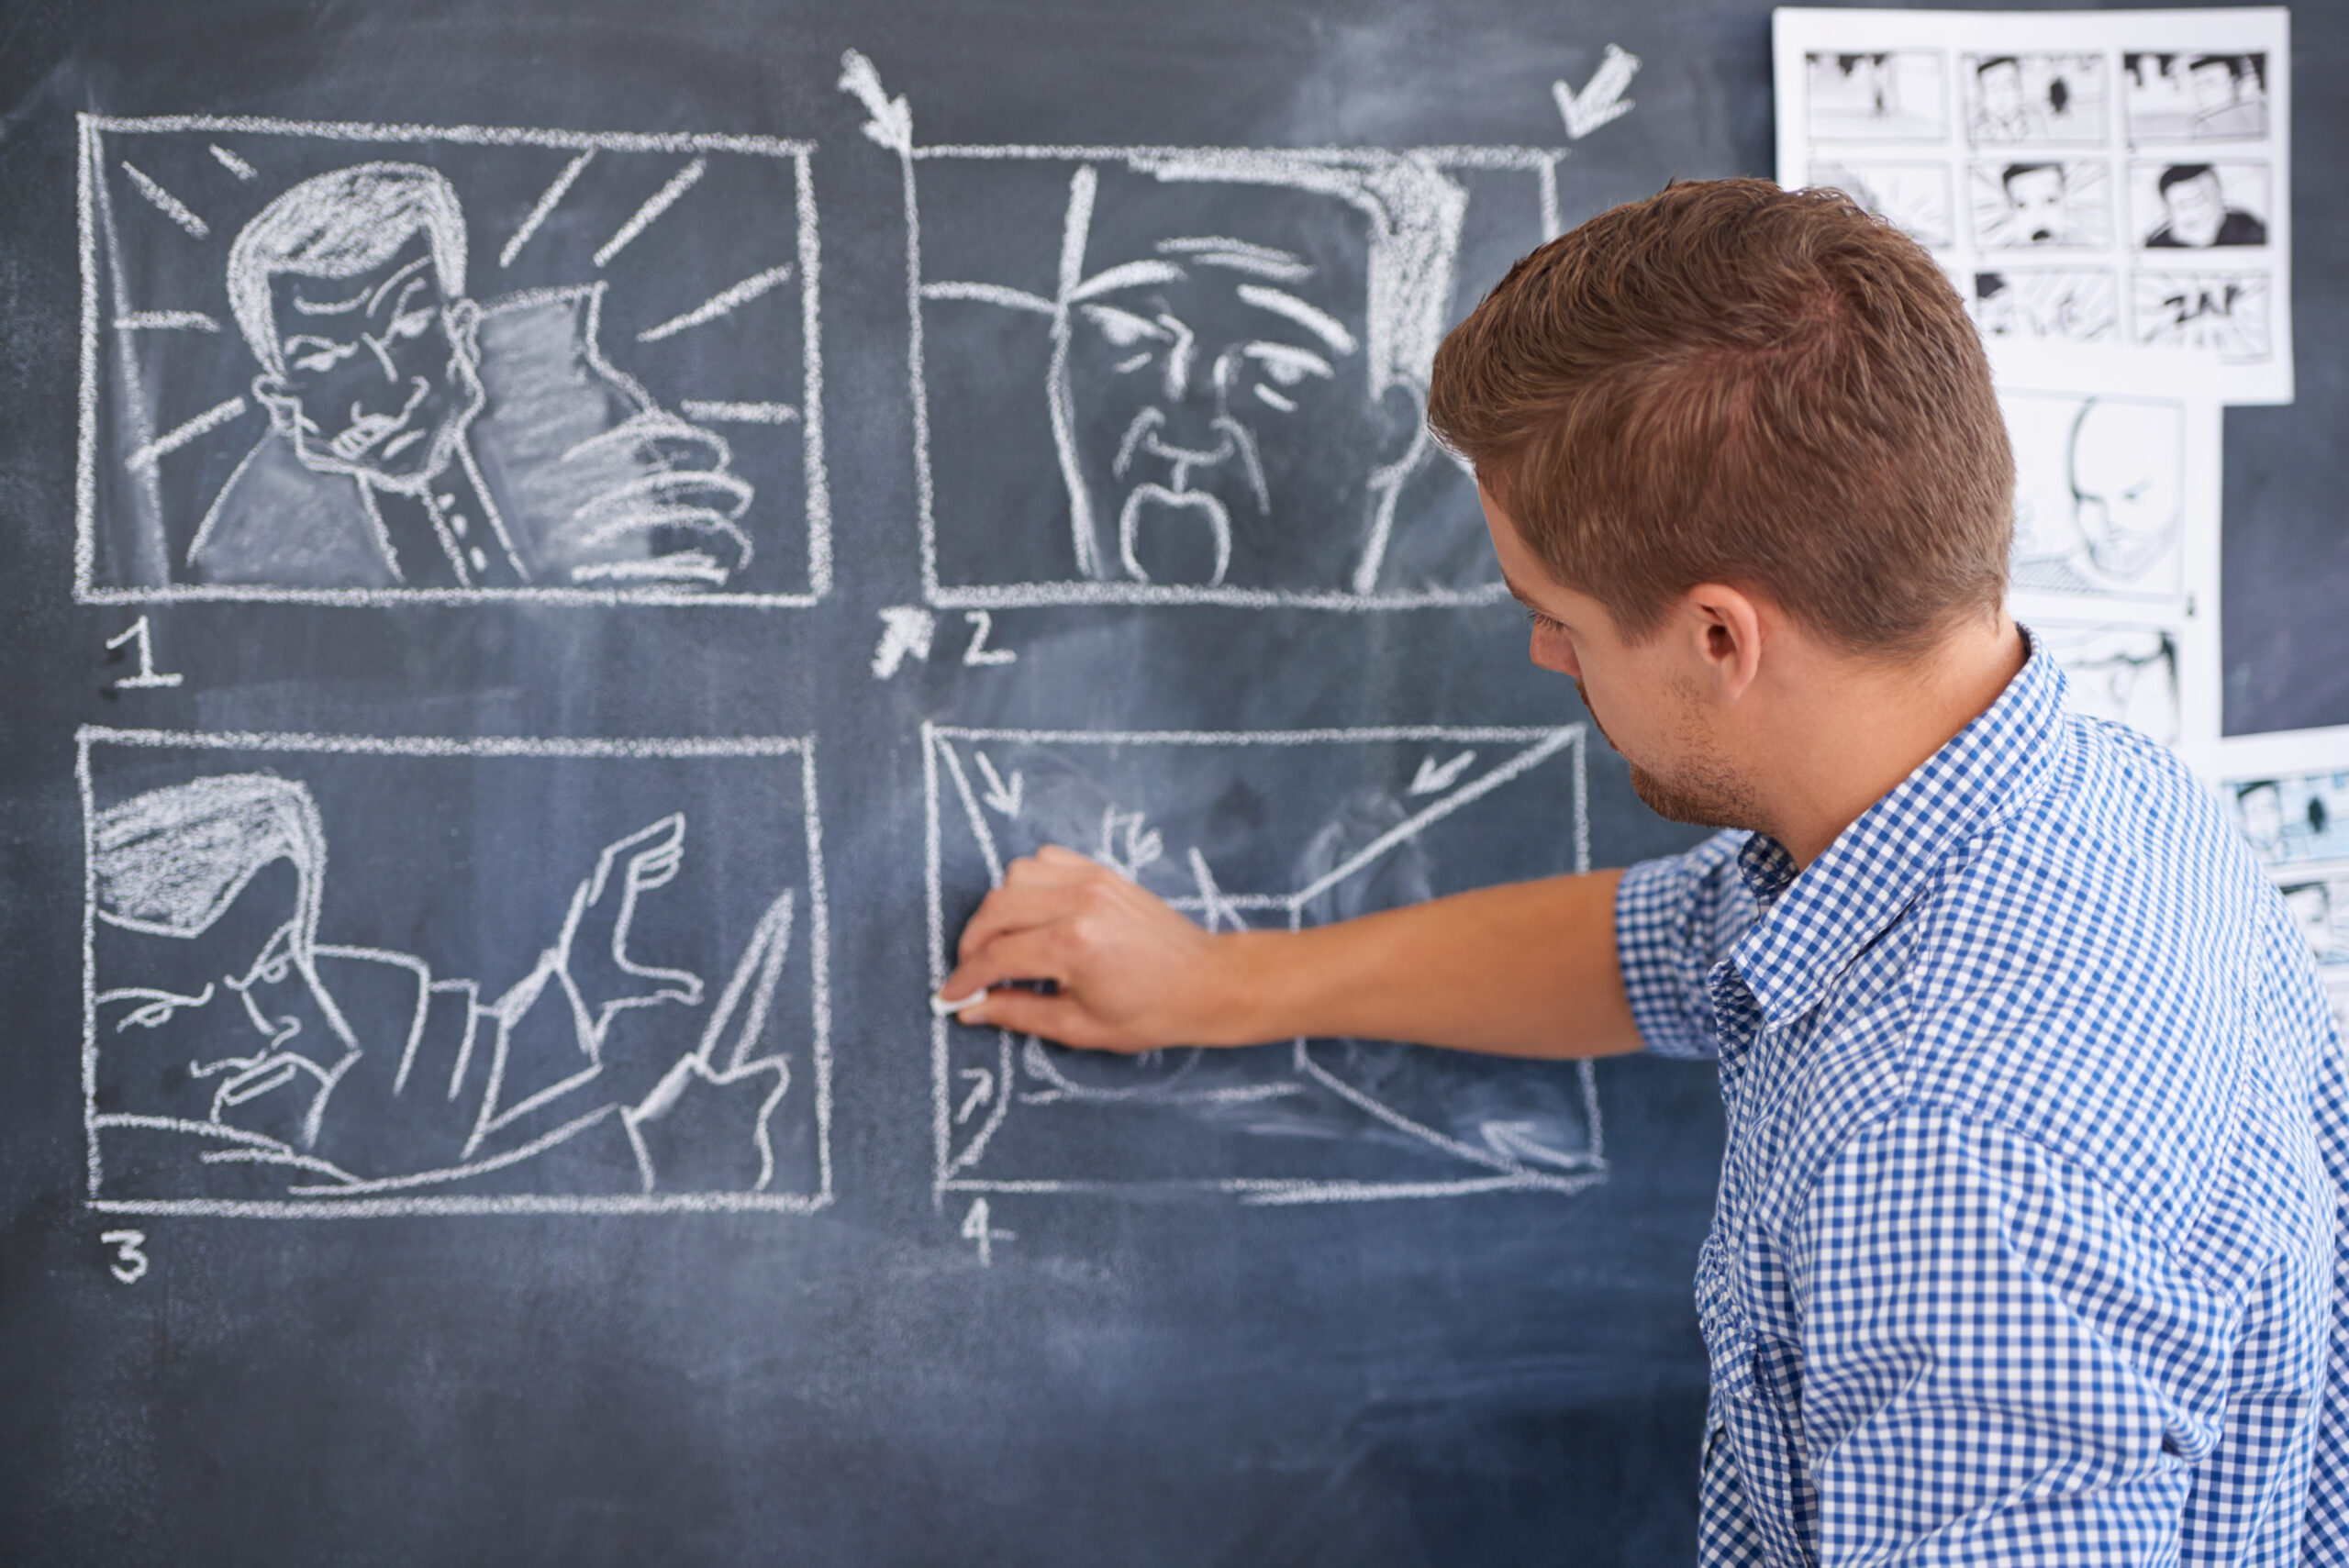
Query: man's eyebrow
x,y
314,307
1328,328
1131,275
1241,256
395,277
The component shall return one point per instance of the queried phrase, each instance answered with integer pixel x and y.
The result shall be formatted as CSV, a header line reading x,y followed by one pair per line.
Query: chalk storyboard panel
x,y
558,551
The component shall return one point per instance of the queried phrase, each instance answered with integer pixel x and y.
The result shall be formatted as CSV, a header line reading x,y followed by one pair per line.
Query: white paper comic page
x,y
2108,190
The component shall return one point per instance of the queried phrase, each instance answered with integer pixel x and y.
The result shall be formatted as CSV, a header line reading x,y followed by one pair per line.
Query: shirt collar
x,y
1815,923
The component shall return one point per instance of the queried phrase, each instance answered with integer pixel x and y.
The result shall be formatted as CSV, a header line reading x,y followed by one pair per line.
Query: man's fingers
x,y
1008,910
1061,1019
1036,953
1035,892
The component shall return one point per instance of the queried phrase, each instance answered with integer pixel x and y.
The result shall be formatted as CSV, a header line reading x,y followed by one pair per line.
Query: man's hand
x,y
1527,969
1132,973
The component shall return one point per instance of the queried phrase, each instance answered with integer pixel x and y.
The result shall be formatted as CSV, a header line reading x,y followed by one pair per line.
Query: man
x,y
238,1055
2002,111
2215,82
1241,406
2119,533
418,439
2196,214
2025,1244
2038,208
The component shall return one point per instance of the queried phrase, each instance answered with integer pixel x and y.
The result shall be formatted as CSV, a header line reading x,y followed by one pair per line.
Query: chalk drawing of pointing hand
x,y
605,974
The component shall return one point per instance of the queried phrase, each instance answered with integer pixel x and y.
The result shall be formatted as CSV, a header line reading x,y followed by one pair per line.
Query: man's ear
x,y
285,408
458,318
1725,626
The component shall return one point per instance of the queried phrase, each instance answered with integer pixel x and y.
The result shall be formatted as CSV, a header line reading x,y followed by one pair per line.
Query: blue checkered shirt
x,y
2028,1247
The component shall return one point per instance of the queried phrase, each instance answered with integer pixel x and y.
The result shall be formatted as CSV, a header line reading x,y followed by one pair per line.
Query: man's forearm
x,y
1527,969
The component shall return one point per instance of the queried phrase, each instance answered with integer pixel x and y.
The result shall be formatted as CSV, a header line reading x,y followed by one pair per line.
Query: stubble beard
x,y
1700,792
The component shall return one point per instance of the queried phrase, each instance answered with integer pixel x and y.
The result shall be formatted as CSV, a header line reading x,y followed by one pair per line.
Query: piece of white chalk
x,y
943,1006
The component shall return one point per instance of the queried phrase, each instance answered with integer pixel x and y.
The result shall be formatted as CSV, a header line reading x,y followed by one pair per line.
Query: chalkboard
x,y
557,550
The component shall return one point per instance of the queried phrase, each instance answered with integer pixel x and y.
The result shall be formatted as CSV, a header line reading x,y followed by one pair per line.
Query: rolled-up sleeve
x,y
1675,919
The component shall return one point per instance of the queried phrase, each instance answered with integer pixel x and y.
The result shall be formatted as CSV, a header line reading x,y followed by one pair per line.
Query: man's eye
x,y
1288,365
1123,329
317,355
153,1014
411,324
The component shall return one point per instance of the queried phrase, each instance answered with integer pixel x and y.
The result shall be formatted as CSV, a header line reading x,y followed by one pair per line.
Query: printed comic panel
x,y
1878,94
2100,495
2179,95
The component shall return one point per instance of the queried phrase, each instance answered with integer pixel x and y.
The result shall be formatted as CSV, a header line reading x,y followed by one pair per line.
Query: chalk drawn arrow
x,y
1601,98
1004,798
982,1091
892,124
904,630
1434,775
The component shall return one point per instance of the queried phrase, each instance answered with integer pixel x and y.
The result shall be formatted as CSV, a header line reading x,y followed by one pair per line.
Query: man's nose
x,y
1179,355
380,348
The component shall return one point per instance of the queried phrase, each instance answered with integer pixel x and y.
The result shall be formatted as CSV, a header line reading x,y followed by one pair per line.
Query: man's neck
x,y
1841,751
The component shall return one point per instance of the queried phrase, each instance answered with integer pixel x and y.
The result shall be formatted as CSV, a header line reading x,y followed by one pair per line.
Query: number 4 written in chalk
x,y
977,1229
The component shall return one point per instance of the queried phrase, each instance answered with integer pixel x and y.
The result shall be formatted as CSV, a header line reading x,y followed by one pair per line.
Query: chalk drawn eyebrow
x,y
231,162
1123,328
1288,362
547,200
1323,325
656,203
991,293
1131,274
156,1008
718,304
170,205
395,277
1239,255
327,307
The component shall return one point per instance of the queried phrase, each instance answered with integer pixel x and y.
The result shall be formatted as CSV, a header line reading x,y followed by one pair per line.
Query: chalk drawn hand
x,y
667,512
1131,972
596,951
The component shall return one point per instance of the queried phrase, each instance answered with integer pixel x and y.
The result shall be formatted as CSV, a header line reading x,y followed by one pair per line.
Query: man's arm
x,y
1999,1364
1528,969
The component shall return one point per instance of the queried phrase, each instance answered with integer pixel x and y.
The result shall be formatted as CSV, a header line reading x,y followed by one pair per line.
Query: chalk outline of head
x,y
339,225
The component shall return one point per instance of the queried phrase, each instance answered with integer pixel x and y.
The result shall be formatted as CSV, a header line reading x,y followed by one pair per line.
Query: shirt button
x,y
481,562
457,523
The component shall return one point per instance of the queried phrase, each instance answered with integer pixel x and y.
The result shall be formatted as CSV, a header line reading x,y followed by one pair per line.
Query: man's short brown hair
x,y
1729,382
